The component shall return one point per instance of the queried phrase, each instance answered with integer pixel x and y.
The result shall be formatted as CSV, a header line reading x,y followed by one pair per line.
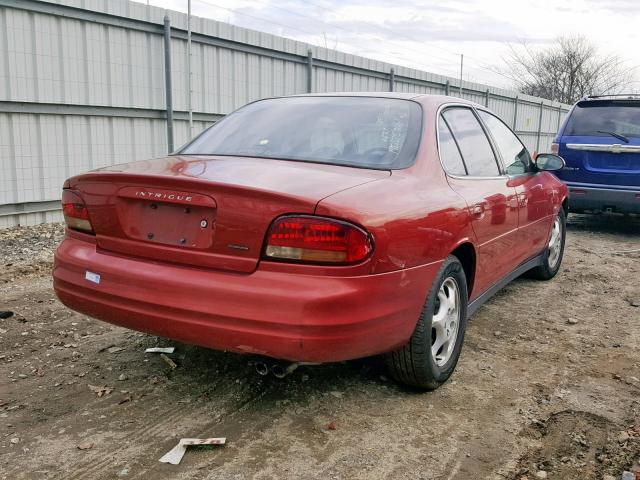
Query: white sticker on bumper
x,y
92,277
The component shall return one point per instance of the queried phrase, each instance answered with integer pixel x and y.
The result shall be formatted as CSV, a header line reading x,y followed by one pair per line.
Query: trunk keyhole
x,y
154,206
150,235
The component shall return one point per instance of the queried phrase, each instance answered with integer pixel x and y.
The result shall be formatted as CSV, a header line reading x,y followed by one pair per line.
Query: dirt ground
x,y
547,387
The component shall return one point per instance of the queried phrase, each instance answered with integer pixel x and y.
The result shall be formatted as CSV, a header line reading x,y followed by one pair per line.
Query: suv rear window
x,y
366,132
592,118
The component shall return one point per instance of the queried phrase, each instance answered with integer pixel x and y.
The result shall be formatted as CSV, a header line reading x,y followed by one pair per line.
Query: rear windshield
x,y
595,118
366,132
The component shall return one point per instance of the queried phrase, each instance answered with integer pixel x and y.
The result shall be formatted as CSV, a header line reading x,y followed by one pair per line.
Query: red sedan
x,y
318,228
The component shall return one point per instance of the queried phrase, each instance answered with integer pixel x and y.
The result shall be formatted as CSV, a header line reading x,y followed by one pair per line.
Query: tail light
x,y
311,239
555,148
75,212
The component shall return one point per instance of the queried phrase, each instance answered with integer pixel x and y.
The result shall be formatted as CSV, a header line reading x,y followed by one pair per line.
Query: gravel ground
x,y
547,387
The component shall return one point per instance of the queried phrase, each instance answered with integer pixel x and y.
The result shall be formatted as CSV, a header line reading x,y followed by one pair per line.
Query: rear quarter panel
x,y
413,221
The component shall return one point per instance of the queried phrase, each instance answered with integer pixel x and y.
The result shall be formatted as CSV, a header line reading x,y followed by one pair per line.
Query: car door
x,y
535,195
475,174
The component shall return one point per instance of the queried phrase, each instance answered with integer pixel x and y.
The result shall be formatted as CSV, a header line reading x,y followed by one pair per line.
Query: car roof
x,y
433,100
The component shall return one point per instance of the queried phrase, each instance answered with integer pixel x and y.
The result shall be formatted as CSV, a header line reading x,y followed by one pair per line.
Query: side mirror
x,y
549,162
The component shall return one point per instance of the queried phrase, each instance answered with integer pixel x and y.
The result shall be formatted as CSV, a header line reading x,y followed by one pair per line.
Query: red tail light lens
x,y
555,148
75,212
311,239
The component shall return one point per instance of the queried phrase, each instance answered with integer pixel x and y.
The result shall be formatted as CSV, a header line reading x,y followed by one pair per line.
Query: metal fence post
x,y
392,79
515,113
447,88
167,82
486,98
309,71
539,126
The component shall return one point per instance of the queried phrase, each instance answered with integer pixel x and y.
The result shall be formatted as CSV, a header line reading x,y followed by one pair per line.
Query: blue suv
x,y
600,143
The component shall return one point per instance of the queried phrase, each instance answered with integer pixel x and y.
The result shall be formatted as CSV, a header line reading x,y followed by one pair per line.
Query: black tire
x,y
414,364
546,271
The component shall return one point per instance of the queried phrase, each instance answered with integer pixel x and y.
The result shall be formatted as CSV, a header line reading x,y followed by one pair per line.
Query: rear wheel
x,y
432,353
552,257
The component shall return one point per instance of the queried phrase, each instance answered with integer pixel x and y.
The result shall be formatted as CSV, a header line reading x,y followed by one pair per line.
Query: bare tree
x,y
567,71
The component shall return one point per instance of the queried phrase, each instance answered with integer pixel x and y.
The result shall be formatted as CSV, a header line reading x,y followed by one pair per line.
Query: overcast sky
x,y
431,35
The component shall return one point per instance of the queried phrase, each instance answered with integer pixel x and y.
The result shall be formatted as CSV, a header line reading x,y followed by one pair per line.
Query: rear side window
x,y
366,132
449,153
514,154
595,118
474,145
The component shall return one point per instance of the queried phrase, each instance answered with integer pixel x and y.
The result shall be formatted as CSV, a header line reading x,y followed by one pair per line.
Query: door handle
x,y
478,210
523,200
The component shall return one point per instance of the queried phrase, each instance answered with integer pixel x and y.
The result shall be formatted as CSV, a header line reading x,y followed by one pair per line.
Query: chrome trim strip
x,y
604,190
613,148
602,186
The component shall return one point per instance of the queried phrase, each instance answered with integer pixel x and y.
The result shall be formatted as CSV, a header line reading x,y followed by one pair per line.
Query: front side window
x,y
366,132
514,154
474,145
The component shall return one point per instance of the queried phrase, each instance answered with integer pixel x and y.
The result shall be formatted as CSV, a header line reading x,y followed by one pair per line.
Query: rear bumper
x,y
283,315
601,198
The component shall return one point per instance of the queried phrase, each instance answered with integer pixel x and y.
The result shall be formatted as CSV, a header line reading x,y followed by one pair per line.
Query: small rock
x,y
336,394
85,445
6,314
497,333
634,302
608,477
541,474
114,349
15,440
122,377
332,426
623,437
124,472
628,476
572,321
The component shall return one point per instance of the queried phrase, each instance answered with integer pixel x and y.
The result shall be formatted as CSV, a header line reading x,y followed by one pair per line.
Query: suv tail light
x,y
75,212
311,239
555,148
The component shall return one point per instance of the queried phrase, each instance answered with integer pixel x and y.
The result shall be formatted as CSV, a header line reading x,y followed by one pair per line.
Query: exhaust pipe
x,y
281,371
262,368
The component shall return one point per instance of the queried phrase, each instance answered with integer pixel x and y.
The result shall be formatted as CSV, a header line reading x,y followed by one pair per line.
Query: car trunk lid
x,y
600,160
204,211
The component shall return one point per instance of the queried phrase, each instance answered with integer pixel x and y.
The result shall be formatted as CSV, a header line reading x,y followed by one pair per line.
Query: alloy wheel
x,y
445,321
555,243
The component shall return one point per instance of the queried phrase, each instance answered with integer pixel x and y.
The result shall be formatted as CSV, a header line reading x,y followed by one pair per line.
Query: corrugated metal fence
x,y
82,85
